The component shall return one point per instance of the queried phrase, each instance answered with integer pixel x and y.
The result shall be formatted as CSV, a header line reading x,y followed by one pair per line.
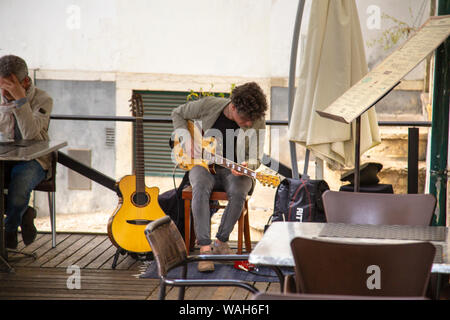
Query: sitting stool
x,y
243,222
49,185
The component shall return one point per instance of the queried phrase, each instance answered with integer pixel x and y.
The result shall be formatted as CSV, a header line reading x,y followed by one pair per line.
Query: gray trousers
x,y
203,183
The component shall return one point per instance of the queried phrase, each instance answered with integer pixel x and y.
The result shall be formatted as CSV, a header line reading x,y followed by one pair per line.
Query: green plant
x,y
195,95
390,37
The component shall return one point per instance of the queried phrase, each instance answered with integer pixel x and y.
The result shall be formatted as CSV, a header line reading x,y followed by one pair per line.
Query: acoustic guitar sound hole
x,y
140,199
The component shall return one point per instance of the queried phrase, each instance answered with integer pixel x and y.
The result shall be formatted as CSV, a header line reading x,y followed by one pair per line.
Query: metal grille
x,y
157,153
110,137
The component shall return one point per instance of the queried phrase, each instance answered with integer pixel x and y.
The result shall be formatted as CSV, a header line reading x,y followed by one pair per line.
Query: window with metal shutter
x,y
157,153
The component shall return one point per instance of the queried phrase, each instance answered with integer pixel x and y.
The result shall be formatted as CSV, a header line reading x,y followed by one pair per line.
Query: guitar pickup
x,y
139,222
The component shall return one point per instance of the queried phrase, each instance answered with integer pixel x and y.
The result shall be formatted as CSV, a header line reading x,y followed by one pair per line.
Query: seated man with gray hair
x,y
24,114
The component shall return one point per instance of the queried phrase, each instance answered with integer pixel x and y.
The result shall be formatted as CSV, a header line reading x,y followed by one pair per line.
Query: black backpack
x,y
172,204
299,200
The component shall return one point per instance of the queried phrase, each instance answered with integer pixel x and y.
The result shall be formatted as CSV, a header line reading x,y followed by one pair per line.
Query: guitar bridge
x,y
139,222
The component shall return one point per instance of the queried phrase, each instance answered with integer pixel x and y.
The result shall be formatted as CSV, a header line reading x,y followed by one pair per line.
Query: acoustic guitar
x,y
138,204
208,158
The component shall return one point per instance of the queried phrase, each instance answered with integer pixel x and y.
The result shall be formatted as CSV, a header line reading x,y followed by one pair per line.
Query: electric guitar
x,y
138,204
207,156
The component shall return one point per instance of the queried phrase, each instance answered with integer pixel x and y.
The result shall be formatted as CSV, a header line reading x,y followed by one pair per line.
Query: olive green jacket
x,y
207,110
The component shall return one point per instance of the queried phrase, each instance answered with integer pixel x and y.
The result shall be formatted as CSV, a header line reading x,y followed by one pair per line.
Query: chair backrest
x,y
323,267
166,243
306,296
378,208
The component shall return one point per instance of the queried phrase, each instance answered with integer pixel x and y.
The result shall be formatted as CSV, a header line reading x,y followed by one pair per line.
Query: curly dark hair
x,y
250,101
11,64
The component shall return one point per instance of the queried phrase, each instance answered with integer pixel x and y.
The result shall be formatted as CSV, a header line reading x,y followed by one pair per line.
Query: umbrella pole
x,y
357,152
291,85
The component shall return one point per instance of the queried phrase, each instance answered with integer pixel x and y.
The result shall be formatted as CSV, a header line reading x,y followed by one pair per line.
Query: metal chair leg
x,y
30,255
52,209
182,288
162,290
9,268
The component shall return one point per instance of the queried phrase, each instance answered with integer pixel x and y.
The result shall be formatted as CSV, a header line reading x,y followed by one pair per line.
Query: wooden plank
x,y
240,294
154,295
192,293
103,258
26,284
76,257
71,250
21,245
223,293
128,263
40,293
172,294
38,242
97,249
274,287
52,283
42,250
63,244
46,277
124,262
55,272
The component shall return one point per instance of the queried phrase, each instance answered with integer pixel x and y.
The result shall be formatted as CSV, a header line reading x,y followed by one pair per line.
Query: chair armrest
x,y
211,283
217,257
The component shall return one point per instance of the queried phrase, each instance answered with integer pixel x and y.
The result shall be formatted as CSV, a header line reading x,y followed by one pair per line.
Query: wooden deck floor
x,y
47,276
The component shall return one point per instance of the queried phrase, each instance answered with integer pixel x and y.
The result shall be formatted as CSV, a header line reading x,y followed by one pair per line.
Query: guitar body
x,y
186,161
127,224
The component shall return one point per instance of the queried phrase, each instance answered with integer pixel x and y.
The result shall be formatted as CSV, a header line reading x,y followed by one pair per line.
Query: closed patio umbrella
x,y
333,60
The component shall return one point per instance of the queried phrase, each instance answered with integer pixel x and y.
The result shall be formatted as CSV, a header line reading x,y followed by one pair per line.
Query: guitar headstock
x,y
136,106
268,179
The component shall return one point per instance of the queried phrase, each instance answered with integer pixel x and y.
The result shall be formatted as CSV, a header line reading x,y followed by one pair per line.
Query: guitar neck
x,y
224,162
139,164
208,147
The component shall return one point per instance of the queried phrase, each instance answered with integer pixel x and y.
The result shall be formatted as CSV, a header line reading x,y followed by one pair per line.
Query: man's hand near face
x,y
12,89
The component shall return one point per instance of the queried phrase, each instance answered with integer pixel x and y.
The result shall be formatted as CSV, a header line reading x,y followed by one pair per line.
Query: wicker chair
x,y
170,252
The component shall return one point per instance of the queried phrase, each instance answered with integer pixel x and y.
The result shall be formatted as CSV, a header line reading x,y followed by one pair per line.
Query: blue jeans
x,y
21,178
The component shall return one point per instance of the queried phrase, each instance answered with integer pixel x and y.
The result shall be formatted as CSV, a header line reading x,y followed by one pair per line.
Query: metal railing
x,y
413,142
169,120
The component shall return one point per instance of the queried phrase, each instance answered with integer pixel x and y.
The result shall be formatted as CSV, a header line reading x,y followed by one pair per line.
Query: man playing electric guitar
x,y
238,126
